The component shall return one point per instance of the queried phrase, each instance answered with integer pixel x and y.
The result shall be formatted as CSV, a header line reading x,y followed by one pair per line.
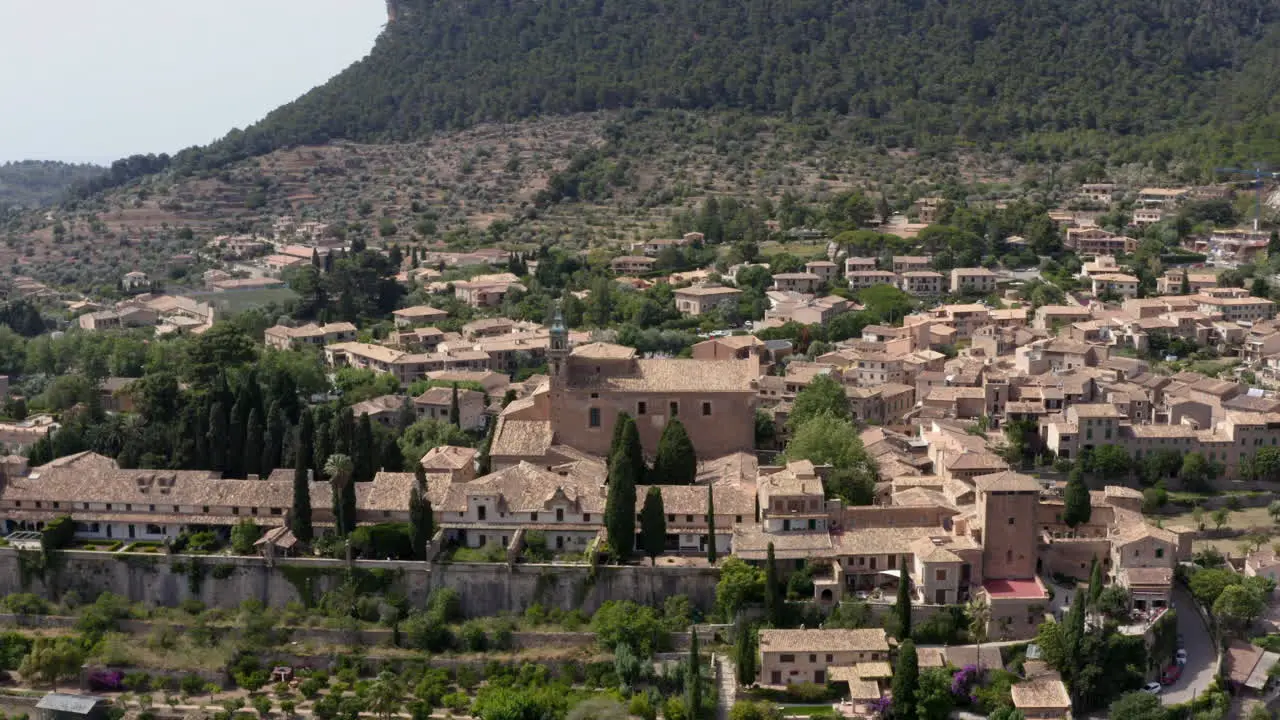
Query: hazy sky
x,y
96,80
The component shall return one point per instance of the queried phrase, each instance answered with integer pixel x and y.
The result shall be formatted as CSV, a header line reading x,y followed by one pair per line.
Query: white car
x,y
1153,688
1181,656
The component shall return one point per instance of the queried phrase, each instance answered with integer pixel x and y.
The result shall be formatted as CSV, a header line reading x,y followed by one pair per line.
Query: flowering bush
x,y
964,680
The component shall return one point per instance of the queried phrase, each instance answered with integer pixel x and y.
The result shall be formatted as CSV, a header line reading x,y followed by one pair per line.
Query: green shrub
x,y
473,637
57,533
384,541
138,682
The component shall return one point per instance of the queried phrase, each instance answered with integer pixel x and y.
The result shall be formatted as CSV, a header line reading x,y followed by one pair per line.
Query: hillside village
x,y
871,425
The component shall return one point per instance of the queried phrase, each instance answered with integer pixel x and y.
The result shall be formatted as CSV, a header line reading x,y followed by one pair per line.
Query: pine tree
x,y
906,679
712,555
744,653
455,409
676,462
772,590
419,523
300,518
653,524
620,507
693,682
903,609
1077,508
253,443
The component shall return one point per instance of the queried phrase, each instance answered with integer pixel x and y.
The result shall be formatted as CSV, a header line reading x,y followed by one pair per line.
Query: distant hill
x,y
912,72
33,183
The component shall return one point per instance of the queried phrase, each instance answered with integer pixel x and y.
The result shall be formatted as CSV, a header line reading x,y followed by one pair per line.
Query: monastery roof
x,y
692,499
529,438
679,375
1046,691
526,488
603,351
449,457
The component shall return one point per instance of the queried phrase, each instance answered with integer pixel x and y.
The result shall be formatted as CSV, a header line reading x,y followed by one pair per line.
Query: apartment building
x,y
283,337
802,282
921,283
418,316
795,657
437,404
1098,192
1171,282
1125,286
1096,241
911,263
1143,217
484,291
973,281
826,270
862,279
699,299
857,264
1052,317
1234,305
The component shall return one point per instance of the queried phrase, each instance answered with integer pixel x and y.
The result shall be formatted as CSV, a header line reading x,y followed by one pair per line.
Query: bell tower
x,y
558,350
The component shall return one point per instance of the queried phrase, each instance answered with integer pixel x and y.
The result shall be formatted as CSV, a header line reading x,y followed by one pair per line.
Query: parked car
x,y
1152,688
1181,656
1171,675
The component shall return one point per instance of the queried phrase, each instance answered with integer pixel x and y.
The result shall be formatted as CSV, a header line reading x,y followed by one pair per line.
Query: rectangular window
x,y
593,417
642,407
706,408
941,575
559,514
787,658
533,517
675,408
586,517
1159,553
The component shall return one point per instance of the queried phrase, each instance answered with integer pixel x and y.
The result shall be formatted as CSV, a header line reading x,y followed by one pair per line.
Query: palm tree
x,y
339,468
979,615
385,695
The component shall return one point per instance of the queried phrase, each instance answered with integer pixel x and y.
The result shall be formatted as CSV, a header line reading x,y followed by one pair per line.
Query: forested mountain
x,y
32,183
913,72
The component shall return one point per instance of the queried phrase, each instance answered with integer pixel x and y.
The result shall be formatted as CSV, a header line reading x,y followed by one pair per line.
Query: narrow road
x,y
727,677
1201,654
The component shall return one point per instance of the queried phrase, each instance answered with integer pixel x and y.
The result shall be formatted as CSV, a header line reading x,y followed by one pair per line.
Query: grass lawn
x,y
488,553
1245,519
806,250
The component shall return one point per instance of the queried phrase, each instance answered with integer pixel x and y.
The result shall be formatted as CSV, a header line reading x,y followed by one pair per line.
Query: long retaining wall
x,y
225,582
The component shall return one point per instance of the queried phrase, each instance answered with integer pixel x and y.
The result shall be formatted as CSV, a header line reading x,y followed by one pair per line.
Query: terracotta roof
x,y
448,457
1147,576
1007,481
603,351
692,500
521,437
526,488
1046,691
865,640
683,375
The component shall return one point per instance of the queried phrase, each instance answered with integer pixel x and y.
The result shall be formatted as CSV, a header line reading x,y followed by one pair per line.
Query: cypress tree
x,y
1076,506
676,462
483,462
906,679
419,523
253,442
322,440
1186,283
627,441
712,555
300,518
903,609
1095,581
389,456
744,653
455,409
216,437
273,443
693,682
304,441
653,524
772,590
344,431
363,450
236,429
620,507
406,415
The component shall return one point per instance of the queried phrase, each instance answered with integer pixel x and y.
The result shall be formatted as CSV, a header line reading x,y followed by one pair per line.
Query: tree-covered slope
x,y
911,70
31,183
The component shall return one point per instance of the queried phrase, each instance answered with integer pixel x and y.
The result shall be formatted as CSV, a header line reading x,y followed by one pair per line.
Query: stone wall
x,y
225,582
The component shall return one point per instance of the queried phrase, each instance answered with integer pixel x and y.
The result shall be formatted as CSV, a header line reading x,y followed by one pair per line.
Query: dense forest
x,y
912,72
32,183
